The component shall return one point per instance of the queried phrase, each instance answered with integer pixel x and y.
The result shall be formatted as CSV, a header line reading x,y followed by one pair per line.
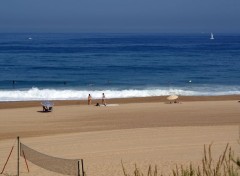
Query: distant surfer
x,y
13,83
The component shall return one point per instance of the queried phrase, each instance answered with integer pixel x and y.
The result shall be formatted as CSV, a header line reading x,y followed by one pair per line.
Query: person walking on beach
x,y
89,99
103,99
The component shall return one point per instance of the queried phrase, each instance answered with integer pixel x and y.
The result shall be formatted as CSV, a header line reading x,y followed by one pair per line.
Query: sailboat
x,y
212,36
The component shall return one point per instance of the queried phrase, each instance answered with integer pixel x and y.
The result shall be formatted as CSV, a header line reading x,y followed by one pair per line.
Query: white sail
x,y
212,36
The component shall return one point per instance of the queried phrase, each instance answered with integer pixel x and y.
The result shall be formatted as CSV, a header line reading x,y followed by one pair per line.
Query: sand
x,y
136,131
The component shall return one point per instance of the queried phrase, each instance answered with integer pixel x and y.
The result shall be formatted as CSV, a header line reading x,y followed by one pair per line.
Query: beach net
x,y
58,165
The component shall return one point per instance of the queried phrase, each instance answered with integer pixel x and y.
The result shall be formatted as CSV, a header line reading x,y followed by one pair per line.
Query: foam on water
x,y
73,94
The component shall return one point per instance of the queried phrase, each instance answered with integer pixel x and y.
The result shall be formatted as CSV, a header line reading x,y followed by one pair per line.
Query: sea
x,y
50,66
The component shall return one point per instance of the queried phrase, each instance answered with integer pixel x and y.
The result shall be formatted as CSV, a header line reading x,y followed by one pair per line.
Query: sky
x,y
120,16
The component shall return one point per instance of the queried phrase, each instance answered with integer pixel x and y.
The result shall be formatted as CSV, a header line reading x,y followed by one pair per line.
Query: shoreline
x,y
25,104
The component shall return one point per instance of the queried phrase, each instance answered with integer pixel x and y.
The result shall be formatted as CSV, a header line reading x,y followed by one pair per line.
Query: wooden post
x,y
18,145
78,168
83,174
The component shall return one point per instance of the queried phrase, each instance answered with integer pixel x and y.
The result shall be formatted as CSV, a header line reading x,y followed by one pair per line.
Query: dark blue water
x,y
120,62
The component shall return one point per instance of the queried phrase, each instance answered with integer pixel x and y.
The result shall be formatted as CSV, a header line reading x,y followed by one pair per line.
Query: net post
x,y
78,168
83,173
18,153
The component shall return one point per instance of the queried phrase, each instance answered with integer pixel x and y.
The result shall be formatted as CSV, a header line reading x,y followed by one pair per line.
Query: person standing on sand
x,y
89,99
103,99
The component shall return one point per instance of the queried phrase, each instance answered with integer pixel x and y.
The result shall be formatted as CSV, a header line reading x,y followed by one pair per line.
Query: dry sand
x,y
141,132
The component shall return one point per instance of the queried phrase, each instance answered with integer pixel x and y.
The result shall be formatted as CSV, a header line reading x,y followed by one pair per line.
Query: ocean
x,y
70,66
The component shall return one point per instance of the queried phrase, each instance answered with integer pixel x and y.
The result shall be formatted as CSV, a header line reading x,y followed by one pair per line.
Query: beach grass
x,y
225,165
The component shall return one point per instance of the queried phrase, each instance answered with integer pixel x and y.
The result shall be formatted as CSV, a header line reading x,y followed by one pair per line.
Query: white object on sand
x,y
109,105
172,97
47,104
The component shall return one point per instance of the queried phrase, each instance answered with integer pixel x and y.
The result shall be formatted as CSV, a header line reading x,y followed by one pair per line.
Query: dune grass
x,y
225,165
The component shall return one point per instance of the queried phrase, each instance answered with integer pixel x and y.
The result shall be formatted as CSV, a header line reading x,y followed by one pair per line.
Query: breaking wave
x,y
73,94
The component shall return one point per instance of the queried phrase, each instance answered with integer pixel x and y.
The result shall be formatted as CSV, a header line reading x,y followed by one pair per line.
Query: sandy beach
x,y
139,130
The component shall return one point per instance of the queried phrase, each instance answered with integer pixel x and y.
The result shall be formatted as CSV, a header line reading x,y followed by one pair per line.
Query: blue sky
x,y
144,16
